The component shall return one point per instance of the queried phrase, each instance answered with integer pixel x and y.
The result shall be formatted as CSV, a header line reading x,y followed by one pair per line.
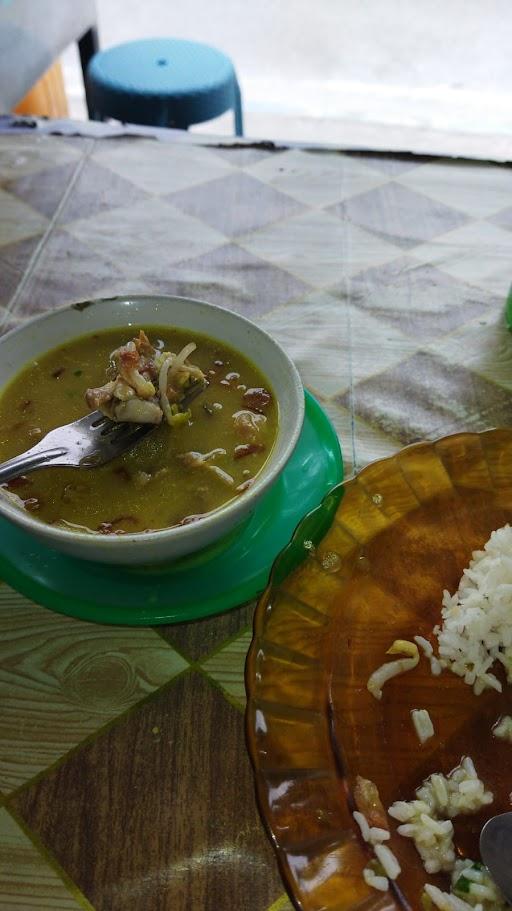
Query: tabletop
x,y
125,783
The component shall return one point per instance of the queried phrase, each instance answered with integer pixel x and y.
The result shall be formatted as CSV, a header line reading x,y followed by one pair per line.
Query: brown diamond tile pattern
x,y
235,204
127,798
200,638
400,215
26,879
426,396
61,680
226,666
415,297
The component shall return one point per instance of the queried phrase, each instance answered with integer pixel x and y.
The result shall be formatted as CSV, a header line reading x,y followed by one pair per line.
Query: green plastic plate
x,y
230,573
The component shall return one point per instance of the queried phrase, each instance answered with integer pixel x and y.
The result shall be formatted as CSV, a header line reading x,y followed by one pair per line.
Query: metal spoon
x,y
496,851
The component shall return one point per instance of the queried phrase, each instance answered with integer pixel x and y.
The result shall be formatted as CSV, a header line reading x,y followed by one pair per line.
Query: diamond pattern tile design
x,y
308,246
314,179
315,332
398,214
240,157
426,397
390,165
98,190
43,191
483,345
27,881
161,168
415,298
18,220
475,188
165,852
197,640
478,253
79,677
230,277
146,236
226,666
503,219
368,441
235,204
124,778
67,271
14,259
24,154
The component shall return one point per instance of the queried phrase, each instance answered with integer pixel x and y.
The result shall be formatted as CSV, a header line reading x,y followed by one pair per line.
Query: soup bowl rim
x,y
240,506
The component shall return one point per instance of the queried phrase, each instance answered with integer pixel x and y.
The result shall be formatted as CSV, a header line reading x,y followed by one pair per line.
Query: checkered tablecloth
x,y
123,771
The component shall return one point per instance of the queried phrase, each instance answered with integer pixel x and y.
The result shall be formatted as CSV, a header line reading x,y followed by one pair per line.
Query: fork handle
x,y
28,461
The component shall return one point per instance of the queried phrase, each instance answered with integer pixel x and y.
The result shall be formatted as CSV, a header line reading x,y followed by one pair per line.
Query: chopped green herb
x,y
462,885
77,372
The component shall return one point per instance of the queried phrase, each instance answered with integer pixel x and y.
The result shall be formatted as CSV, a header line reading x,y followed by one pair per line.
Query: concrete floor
x,y
396,73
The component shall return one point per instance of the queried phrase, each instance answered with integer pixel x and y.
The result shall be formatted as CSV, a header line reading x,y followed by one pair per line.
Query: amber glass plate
x,y
374,561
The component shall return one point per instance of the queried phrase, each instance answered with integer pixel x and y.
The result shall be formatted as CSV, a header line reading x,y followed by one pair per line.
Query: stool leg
x,y
88,45
239,121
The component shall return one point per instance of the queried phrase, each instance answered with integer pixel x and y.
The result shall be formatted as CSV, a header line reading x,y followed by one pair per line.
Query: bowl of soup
x,y
192,478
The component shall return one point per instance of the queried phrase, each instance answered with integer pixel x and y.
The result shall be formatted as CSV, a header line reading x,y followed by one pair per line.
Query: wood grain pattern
x,y
227,665
200,638
163,803
61,680
27,882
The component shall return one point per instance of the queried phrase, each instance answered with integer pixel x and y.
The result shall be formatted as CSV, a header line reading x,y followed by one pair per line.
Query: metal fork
x,y
87,443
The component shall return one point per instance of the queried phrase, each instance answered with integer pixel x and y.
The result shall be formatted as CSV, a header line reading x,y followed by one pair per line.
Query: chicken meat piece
x,y
145,385
368,802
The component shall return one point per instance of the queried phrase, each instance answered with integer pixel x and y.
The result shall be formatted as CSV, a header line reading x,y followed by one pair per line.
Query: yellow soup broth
x,y
150,486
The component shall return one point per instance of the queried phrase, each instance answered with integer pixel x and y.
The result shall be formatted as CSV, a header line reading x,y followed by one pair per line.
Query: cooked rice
x,y
461,792
422,724
385,862
428,651
476,629
427,820
393,668
373,879
503,729
377,835
388,861
472,888
362,822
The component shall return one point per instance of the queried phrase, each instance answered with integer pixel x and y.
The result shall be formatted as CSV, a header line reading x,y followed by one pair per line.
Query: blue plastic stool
x,y
163,82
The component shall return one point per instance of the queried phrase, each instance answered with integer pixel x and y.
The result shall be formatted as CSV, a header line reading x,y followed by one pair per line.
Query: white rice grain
x,y
476,628
363,825
388,861
422,724
377,882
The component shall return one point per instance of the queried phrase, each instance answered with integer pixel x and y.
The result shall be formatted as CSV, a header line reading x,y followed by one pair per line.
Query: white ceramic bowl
x,y
39,335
